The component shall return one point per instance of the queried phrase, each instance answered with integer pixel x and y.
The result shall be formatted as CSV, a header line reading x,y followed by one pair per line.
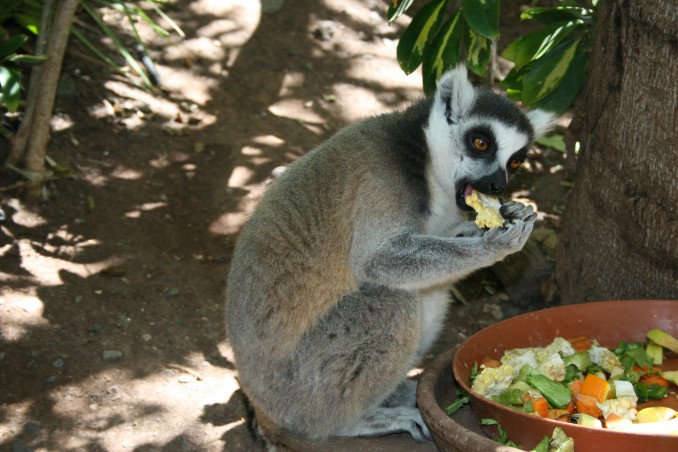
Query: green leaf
x,y
157,28
167,19
12,45
418,34
397,8
27,59
554,141
567,91
535,45
547,16
29,22
549,71
443,53
10,88
513,82
461,401
479,51
483,17
118,45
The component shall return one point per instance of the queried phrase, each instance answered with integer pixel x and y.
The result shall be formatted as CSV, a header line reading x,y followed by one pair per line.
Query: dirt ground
x,y
111,297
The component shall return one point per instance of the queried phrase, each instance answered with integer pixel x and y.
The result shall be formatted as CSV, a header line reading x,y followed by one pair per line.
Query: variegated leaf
x,y
443,53
397,8
535,45
419,33
549,71
483,17
479,49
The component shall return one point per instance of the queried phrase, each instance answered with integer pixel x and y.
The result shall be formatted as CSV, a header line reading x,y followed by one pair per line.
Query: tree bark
x,y
620,226
33,135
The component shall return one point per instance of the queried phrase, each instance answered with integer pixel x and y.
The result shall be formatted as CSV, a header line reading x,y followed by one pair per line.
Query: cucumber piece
x,y
663,338
555,393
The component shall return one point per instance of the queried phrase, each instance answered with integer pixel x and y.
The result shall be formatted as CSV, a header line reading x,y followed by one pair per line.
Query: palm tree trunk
x,y
620,227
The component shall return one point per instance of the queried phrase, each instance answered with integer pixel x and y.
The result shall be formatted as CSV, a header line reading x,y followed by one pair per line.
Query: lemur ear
x,y
455,93
542,122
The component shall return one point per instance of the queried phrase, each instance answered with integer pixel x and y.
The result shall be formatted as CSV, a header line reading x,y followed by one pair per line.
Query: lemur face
x,y
478,138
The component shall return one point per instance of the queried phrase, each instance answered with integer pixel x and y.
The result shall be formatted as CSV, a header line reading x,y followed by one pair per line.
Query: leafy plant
x,y
10,71
134,14
549,64
26,14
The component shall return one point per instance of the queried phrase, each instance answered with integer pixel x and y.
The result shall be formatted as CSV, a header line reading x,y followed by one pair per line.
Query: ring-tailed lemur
x,y
338,285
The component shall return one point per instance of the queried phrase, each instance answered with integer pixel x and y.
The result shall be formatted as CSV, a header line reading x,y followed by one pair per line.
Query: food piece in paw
x,y
487,208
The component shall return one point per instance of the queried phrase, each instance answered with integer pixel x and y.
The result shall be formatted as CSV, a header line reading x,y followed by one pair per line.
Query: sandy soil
x,y
111,296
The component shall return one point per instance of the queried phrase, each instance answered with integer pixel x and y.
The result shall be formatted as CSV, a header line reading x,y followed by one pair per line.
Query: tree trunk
x,y
620,227
30,145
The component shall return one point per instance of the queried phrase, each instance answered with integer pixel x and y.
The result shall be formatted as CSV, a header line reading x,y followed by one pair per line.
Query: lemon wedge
x,y
655,414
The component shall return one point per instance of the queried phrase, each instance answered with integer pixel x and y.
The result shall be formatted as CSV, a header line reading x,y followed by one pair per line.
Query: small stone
x,y
111,355
51,379
186,379
325,31
58,363
271,6
96,328
171,291
2,356
147,337
32,428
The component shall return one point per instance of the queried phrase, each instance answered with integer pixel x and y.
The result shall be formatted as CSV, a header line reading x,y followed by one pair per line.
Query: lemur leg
x,y
404,395
361,352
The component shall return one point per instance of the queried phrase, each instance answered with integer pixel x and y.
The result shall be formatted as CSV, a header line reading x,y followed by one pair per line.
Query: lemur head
x,y
477,139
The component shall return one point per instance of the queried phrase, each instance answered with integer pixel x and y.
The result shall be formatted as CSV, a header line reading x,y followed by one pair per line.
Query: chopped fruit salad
x,y
577,380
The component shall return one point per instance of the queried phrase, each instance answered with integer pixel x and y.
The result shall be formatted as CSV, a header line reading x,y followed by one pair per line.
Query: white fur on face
x,y
448,162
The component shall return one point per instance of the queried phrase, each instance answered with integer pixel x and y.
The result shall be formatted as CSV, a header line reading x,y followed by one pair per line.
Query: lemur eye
x,y
515,164
480,144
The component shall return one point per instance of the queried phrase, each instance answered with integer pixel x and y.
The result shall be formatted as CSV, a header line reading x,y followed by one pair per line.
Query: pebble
x,y
171,291
58,363
271,6
51,379
111,355
96,328
32,428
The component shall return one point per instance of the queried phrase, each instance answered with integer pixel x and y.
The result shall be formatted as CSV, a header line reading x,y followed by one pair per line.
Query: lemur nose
x,y
494,190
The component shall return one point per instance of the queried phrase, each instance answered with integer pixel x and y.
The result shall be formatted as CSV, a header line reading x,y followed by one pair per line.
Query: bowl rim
x,y
442,424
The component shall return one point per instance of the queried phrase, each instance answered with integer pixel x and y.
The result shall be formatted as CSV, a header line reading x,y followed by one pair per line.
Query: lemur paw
x,y
511,237
513,210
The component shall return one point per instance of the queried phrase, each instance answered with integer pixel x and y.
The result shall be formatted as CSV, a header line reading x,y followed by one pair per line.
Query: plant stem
x,y
43,89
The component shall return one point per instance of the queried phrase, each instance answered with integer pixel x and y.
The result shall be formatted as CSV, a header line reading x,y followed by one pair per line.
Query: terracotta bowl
x,y
608,322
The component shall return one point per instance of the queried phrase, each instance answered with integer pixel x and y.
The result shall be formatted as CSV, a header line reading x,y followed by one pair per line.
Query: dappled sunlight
x,y
130,411
296,110
44,263
146,207
20,313
121,172
112,290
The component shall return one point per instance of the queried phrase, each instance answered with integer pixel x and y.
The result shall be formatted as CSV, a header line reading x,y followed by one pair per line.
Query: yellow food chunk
x,y
655,414
487,208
